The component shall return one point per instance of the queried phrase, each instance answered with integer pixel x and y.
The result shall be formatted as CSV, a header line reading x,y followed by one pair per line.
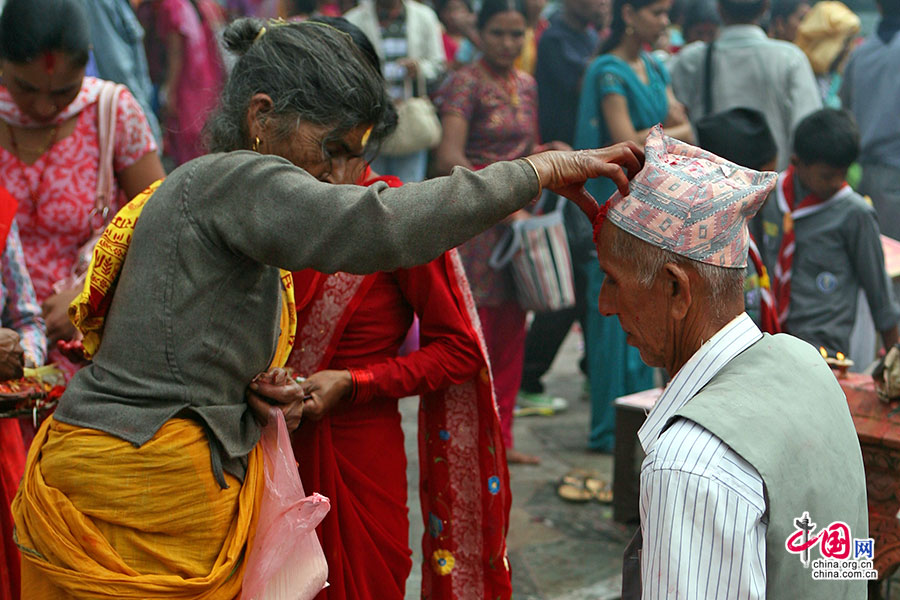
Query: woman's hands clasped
x,y
314,397
566,172
276,387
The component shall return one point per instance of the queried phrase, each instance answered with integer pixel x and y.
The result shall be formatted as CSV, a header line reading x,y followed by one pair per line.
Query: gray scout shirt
x,y
195,314
838,251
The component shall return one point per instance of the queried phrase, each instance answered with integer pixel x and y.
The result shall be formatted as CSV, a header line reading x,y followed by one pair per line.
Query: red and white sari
x,y
355,455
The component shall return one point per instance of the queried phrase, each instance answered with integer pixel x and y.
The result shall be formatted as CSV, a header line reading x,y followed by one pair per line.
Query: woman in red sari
x,y
350,328
354,325
350,445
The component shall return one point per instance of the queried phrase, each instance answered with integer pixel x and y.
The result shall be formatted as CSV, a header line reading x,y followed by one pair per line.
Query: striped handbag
x,y
537,251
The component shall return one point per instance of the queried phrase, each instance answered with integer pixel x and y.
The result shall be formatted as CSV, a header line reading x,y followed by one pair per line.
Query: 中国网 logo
x,y
841,555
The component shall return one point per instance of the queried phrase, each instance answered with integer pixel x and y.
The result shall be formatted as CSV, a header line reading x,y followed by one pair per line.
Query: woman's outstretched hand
x,y
275,387
566,172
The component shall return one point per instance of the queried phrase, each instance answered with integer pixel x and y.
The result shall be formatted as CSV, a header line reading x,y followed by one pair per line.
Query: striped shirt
x,y
19,309
703,513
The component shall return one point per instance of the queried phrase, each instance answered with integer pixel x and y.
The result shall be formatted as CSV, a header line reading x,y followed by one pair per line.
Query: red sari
x,y
12,466
12,455
355,455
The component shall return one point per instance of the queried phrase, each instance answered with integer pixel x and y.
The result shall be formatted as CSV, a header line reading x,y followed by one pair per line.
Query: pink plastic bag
x,y
286,561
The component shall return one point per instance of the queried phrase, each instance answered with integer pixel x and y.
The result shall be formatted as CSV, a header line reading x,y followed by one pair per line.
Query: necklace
x,y
46,146
510,83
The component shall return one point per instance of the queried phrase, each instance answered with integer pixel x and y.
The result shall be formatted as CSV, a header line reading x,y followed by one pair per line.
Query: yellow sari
x,y
98,518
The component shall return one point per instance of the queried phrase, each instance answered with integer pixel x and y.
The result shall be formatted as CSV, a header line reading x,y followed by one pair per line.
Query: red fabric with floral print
x,y
56,193
356,456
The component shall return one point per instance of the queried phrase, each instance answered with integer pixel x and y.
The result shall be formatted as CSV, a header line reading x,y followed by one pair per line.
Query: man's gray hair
x,y
723,283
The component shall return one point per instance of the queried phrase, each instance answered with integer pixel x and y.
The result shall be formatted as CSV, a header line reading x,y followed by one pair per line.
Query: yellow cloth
x,y
825,32
88,311
527,61
97,518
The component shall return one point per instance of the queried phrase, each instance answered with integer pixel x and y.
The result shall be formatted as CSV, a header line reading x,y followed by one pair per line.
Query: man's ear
x,y
678,289
260,105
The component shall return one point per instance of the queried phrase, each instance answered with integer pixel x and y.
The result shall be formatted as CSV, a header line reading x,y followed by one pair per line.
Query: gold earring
x,y
255,146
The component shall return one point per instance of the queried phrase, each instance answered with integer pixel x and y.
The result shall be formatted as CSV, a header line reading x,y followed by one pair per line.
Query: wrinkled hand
x,y
328,389
55,311
566,172
12,356
275,387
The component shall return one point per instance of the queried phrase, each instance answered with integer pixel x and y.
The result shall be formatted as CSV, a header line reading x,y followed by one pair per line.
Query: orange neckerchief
x,y
88,311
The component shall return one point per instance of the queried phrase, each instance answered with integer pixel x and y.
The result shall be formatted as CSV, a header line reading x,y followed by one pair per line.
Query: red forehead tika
x,y
49,61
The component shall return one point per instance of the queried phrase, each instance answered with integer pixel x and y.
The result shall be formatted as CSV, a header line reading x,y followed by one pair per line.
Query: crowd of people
x,y
285,236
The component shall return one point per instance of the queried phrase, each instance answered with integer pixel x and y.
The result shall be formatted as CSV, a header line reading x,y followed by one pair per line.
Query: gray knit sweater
x,y
195,314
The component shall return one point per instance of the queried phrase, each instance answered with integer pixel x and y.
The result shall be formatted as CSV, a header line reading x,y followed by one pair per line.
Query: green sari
x,y
614,368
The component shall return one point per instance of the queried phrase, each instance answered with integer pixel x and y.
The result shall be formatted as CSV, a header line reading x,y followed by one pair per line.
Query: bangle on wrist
x,y
536,174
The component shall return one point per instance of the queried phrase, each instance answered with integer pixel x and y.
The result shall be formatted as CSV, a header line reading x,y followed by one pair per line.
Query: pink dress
x,y
56,193
197,89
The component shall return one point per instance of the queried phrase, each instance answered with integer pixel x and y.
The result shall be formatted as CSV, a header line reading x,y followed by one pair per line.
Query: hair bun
x,y
240,34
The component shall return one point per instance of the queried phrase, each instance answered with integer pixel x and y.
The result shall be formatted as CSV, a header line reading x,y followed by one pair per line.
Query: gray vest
x,y
778,405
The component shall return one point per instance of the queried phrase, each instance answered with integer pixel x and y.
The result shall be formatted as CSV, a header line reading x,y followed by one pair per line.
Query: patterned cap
x,y
690,202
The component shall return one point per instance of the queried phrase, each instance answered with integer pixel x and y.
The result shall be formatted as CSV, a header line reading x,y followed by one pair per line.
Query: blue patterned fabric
x,y
19,309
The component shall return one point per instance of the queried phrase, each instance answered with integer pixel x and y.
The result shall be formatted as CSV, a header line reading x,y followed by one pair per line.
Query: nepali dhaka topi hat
x,y
690,202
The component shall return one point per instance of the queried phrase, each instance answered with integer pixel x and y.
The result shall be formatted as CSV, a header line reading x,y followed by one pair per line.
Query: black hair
x,y
356,34
490,8
617,27
889,7
440,5
678,10
313,72
740,135
29,28
700,11
742,11
782,9
827,136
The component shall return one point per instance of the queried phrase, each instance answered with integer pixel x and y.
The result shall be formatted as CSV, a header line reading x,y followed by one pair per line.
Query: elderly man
x,y
753,431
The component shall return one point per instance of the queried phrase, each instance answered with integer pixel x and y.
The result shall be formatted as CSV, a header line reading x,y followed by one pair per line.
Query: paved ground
x,y
558,550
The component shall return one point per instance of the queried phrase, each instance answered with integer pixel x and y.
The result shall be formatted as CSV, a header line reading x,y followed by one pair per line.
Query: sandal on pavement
x,y
573,488
601,490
